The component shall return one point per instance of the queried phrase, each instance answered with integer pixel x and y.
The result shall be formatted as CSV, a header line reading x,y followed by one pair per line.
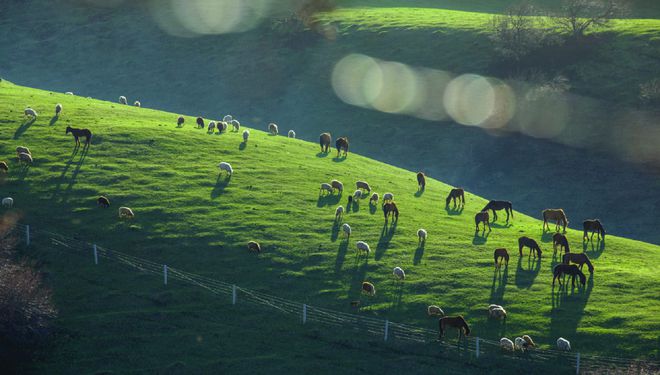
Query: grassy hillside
x,y
189,217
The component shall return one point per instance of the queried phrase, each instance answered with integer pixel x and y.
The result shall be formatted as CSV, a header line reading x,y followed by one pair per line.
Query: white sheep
x,y
507,344
357,195
434,310
246,135
291,134
137,103
58,109
337,185
227,118
236,125
388,197
563,344
211,126
68,93
519,344
347,230
272,128
224,166
398,273
528,341
30,112
125,212
363,246
26,158
326,187
362,185
123,100
8,202
374,199
339,212
222,126
497,313
421,234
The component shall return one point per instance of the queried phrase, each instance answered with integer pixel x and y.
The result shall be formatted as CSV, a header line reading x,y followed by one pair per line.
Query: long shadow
x,y
322,155
480,239
61,179
357,277
398,295
501,226
455,210
419,253
419,193
341,255
335,231
500,279
220,185
327,200
339,160
547,236
595,250
355,206
568,305
525,277
74,175
53,120
373,208
386,235
24,127
242,146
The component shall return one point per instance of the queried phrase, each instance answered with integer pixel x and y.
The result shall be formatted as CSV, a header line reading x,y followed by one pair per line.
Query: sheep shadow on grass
x,y
335,230
220,185
372,208
419,193
53,120
341,255
322,155
242,146
525,277
24,127
339,159
419,253
328,200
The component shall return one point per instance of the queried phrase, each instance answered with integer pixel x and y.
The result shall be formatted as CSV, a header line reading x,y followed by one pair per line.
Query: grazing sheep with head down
x,y
68,93
528,342
325,187
388,197
180,121
25,158
434,310
200,122
123,100
254,246
125,212
421,181
563,344
22,149
421,234
224,166
337,185
498,313
368,288
30,112
228,118
4,167
357,195
222,126
58,109
237,125
339,212
363,185
137,103
399,273
211,127
272,128
374,199
8,202
346,229
103,202
363,247
507,344
291,134
246,135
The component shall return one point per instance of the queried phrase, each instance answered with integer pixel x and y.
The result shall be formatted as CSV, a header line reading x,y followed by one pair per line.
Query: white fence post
x,y
27,235
96,255
577,363
233,294
387,329
165,274
477,346
304,313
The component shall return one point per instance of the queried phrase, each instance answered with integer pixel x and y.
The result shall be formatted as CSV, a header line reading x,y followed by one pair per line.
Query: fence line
x,y
387,329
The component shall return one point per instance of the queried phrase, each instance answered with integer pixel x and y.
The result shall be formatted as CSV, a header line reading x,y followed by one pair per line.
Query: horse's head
x,y
68,130
583,279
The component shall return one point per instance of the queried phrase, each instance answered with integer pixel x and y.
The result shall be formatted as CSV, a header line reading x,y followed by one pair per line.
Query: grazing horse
x,y
77,133
342,145
557,215
390,208
500,254
580,258
593,226
324,141
456,194
528,242
482,217
456,322
421,181
568,269
560,240
499,205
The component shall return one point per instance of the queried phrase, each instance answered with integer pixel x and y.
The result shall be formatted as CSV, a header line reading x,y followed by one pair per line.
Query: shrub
x,y
649,92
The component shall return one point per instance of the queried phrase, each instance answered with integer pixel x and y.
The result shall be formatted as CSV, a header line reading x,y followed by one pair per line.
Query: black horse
x,y
77,133
568,269
324,141
456,194
499,205
342,145
593,226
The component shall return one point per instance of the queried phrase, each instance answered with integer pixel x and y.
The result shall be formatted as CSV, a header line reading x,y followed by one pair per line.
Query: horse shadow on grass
x,y
74,175
546,236
593,250
24,127
455,210
500,279
480,239
220,185
341,255
568,305
525,277
386,235
419,253
501,226
339,159
322,155
328,200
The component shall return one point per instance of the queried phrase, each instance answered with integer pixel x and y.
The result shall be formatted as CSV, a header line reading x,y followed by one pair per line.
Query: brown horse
x,y
580,258
557,215
593,226
528,242
77,133
421,181
482,217
455,322
390,208
499,255
560,240
500,205
568,269
324,140
456,194
200,122
342,145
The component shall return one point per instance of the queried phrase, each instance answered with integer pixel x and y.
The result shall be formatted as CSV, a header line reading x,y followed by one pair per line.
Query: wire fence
x,y
477,347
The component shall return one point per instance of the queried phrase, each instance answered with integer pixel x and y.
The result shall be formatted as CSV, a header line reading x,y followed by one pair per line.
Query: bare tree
x,y
577,16
516,33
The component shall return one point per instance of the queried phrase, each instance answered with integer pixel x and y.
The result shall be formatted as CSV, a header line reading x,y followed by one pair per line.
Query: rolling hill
x,y
190,217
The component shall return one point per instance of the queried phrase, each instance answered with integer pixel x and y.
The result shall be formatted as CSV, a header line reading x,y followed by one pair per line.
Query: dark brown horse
x,y
568,269
77,133
500,205
421,181
593,226
342,145
390,208
500,254
456,194
482,217
579,258
455,322
560,240
554,214
324,140
528,242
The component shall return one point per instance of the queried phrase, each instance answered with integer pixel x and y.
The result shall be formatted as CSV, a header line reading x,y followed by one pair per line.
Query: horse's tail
x,y
466,327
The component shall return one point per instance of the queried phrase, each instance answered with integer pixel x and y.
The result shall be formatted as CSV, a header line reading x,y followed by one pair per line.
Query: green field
x,y
191,218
